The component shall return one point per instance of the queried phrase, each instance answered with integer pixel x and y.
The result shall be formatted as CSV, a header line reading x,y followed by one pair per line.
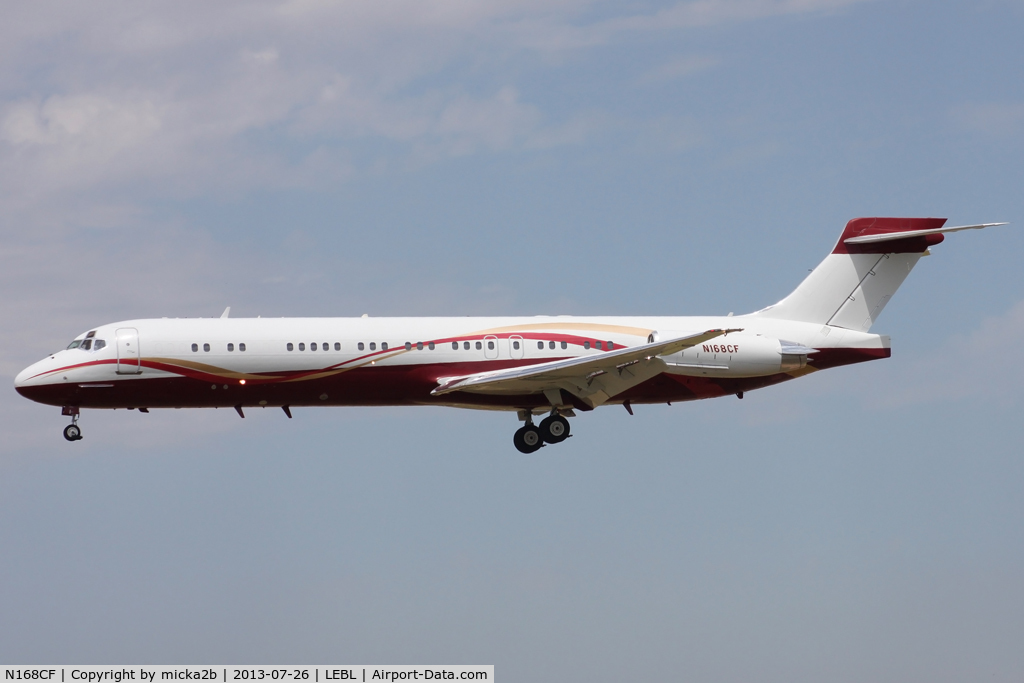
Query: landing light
x,y
241,381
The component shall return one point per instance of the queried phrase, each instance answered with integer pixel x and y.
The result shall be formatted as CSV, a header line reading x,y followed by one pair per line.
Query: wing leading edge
x,y
593,379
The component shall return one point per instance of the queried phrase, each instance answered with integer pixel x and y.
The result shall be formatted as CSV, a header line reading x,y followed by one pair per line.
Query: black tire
x,y
527,439
72,433
554,429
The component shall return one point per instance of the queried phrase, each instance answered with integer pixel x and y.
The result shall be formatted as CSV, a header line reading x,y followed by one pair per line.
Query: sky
x,y
447,157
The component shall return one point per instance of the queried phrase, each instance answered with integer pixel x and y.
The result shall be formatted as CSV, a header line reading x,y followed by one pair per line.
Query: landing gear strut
x,y
72,432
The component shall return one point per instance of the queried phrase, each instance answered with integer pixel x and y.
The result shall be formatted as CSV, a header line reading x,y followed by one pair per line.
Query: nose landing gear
x,y
72,432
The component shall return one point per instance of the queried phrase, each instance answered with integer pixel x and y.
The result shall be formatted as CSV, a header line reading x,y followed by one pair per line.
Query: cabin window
x,y
373,346
465,345
302,346
490,345
241,347
609,345
312,347
206,347
337,346
408,346
430,346
231,347
419,346
515,345
551,345
565,345
195,347
360,346
455,346
586,345
384,346
479,346
290,346
325,346
540,345
599,345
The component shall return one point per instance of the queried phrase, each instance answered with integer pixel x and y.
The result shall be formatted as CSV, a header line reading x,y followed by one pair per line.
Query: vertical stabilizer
x,y
851,287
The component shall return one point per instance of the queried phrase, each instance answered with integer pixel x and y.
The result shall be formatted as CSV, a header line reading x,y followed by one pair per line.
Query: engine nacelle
x,y
738,355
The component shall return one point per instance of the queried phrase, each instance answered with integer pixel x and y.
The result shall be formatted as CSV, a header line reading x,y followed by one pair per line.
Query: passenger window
x,y
515,345
241,347
419,346
565,345
455,346
312,347
206,347
465,345
87,344
609,345
360,346
302,346
586,345
290,347
325,346
490,345
195,347
373,346
540,345
231,347
408,346
479,346
430,346
337,346
384,346
551,345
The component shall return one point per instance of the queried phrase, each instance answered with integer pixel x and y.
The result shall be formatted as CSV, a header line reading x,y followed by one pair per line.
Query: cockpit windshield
x,y
90,343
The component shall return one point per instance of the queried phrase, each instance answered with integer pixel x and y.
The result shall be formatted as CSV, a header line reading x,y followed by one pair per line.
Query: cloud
x,y
206,97
995,119
985,362
679,68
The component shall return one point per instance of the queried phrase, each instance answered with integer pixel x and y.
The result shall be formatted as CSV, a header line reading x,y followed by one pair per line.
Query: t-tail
x,y
872,258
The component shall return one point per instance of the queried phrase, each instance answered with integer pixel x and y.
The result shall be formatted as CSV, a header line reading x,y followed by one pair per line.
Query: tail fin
x,y
868,264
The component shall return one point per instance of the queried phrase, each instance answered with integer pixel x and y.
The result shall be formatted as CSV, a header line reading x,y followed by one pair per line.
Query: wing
x,y
594,379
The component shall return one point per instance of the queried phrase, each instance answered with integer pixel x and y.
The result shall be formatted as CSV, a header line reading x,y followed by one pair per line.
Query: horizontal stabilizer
x,y
889,236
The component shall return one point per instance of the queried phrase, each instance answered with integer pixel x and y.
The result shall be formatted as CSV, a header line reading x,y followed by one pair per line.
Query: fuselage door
x,y
490,346
129,357
516,346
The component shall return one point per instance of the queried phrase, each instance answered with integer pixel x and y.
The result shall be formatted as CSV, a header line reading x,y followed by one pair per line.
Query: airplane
x,y
551,366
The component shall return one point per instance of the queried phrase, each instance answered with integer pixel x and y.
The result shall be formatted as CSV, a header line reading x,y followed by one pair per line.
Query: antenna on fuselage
x,y
226,313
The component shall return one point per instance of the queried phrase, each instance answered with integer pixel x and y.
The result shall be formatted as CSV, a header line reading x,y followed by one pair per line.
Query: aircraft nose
x,y
25,376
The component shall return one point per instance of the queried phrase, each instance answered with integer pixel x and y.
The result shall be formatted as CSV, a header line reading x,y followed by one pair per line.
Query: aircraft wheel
x,y
554,429
527,439
72,433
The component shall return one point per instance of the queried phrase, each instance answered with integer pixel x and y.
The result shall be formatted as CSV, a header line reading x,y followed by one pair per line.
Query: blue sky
x,y
445,157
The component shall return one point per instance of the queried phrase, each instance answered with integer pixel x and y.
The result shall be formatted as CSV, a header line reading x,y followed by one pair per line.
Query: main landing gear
x,y
72,432
530,437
